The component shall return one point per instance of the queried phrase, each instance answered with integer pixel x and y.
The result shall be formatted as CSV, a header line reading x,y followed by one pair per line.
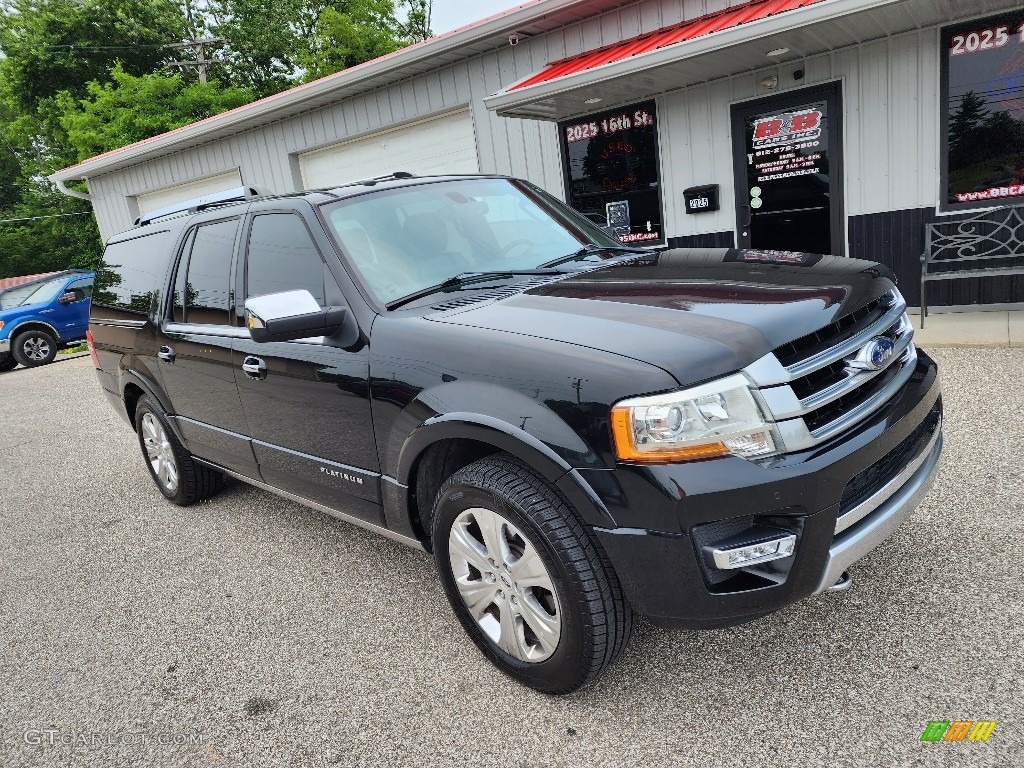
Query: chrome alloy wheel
x,y
159,452
36,348
505,584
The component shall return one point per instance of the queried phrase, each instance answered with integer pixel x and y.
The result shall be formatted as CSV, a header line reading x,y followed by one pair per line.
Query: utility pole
x,y
201,63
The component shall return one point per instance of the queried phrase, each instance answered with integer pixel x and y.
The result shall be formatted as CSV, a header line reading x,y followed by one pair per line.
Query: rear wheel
x,y
7,363
33,348
176,473
524,578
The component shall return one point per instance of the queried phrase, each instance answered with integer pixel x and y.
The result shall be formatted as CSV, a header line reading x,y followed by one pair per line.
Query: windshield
x,y
406,240
31,294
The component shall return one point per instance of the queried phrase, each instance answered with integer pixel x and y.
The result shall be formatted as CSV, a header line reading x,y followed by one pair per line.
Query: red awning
x,y
680,33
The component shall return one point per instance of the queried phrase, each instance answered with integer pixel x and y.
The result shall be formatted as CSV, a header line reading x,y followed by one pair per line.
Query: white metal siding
x,y
890,122
151,201
442,145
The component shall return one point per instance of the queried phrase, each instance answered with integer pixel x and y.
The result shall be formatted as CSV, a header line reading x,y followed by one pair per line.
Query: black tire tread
x,y
603,605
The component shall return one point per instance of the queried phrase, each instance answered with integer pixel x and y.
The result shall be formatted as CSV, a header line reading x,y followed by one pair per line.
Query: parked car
x,y
577,431
41,317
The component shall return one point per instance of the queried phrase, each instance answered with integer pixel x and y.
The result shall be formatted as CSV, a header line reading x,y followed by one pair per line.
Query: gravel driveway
x,y
248,631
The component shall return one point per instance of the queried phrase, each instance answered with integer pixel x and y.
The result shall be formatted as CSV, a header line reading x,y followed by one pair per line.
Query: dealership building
x,y
841,126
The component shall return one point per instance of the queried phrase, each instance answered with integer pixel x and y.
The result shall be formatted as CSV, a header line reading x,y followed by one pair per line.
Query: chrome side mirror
x,y
68,297
289,316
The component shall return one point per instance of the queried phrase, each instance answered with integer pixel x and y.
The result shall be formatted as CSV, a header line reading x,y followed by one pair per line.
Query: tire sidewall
x,y
18,344
564,668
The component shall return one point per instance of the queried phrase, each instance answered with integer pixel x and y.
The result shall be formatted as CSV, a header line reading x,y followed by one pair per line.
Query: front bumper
x,y
5,346
664,513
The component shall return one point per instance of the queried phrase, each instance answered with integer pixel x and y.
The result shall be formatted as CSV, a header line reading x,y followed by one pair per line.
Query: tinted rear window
x,y
131,275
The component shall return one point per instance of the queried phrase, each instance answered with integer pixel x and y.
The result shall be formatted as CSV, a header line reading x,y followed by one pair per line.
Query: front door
x,y
308,408
788,165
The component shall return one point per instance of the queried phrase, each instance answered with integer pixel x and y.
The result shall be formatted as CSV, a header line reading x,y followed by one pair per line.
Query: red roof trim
x,y
661,38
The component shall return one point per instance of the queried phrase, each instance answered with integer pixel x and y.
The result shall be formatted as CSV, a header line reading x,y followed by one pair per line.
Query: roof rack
x,y
386,177
225,197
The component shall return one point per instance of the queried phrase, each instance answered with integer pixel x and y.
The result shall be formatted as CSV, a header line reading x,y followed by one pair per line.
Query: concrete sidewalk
x,y
971,329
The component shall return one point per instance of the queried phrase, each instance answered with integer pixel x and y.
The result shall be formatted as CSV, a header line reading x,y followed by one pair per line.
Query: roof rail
x,y
386,177
235,195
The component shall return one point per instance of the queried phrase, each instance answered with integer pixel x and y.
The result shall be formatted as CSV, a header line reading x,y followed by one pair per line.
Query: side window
x,y
81,288
283,257
129,279
205,293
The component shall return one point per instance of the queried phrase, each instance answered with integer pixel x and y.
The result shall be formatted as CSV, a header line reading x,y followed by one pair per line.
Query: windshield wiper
x,y
465,278
587,250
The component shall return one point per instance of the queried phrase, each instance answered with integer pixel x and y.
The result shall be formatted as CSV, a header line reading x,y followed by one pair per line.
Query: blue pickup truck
x,y
40,317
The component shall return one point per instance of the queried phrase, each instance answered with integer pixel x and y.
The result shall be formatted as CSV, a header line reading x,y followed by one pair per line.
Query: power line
x,y
51,216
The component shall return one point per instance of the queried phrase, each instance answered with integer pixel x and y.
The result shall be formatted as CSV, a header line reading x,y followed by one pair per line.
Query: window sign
x,y
612,162
983,97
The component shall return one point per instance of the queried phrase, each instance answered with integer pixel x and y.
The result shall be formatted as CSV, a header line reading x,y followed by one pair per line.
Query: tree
x,y
61,45
127,109
274,44
366,30
963,129
417,19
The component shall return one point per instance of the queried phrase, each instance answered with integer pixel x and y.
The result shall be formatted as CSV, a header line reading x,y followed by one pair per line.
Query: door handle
x,y
166,354
748,213
254,367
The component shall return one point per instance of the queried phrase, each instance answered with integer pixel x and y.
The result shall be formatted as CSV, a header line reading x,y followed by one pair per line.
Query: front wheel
x,y
34,348
527,583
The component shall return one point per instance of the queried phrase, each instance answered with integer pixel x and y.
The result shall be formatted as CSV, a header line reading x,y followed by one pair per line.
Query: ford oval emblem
x,y
874,355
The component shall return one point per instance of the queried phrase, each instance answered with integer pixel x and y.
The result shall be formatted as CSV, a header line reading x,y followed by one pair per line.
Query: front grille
x,y
829,413
816,387
871,480
844,328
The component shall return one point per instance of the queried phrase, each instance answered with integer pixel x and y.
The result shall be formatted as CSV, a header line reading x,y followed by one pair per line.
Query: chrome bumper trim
x,y
851,546
5,345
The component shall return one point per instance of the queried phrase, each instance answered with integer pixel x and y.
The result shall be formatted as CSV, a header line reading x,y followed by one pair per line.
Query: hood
x,y
696,313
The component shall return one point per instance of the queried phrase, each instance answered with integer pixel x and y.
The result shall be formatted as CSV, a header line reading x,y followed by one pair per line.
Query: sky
x,y
452,14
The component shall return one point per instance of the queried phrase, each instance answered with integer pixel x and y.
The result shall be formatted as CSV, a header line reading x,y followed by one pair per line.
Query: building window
x,y
983,103
614,179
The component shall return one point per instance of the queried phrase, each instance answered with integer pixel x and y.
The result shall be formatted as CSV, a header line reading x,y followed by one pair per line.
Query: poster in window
x,y
612,160
983,92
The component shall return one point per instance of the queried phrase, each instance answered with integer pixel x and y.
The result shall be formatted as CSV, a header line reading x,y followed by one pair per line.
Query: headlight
x,y
714,419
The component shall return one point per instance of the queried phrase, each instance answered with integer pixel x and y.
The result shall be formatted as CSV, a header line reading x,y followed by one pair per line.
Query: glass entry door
x,y
788,164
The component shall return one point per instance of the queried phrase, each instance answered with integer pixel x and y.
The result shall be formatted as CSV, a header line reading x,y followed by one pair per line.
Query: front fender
x,y
512,440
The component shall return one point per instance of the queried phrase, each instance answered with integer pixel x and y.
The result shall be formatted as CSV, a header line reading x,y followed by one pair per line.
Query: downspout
x,y
71,192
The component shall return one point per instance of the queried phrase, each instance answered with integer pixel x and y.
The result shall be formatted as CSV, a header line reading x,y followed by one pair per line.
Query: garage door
x,y
161,198
444,144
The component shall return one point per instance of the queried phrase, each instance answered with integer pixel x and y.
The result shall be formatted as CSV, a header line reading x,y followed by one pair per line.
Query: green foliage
x,y
128,109
82,77
62,45
273,44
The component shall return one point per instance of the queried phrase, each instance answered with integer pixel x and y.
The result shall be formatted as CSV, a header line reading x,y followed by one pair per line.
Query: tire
x,y
7,363
180,478
555,633
33,348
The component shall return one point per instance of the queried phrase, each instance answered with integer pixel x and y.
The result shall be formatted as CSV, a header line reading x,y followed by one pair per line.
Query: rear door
x,y
196,361
309,412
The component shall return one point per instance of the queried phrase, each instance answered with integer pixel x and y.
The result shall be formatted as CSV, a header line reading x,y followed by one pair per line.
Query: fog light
x,y
754,553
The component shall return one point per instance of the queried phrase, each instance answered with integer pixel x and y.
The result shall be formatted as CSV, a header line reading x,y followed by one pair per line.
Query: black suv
x,y
576,430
